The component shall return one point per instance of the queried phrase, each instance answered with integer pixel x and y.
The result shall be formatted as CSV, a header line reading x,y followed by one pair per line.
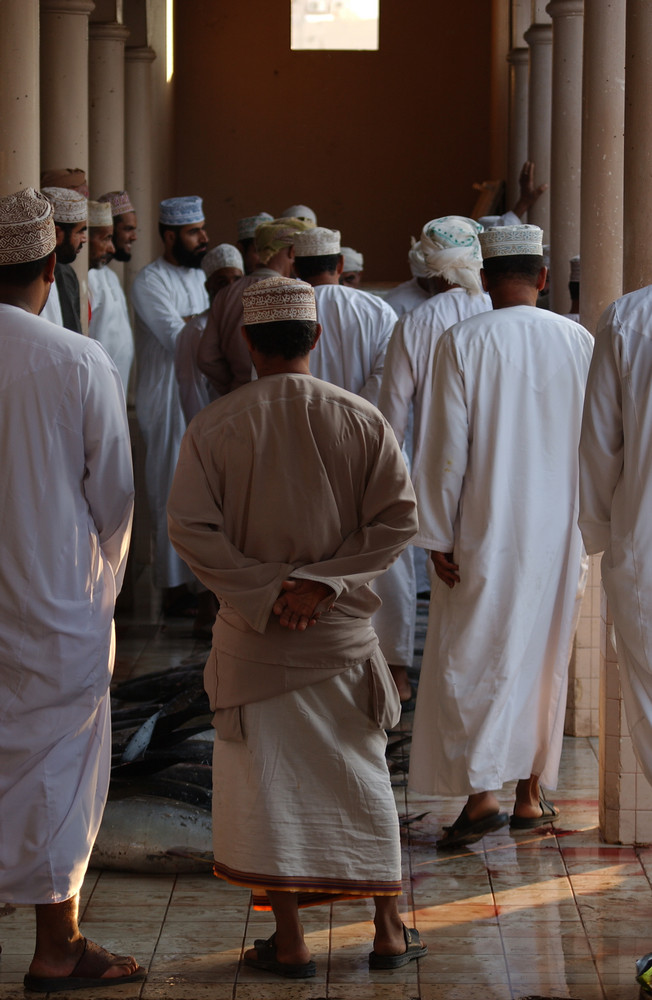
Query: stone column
x,y
19,95
566,146
519,68
64,100
603,116
106,86
499,88
139,128
64,83
539,38
637,257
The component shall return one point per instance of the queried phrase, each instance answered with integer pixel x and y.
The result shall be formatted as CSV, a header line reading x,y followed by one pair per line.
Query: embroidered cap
x,y
511,241
300,212
99,214
317,242
247,227
224,255
26,227
69,205
274,300
119,201
575,268
181,211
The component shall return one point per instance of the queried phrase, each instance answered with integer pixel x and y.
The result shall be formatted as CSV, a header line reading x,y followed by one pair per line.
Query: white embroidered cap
x,y
247,227
275,300
317,242
99,214
300,212
224,255
26,227
353,261
181,211
69,205
511,241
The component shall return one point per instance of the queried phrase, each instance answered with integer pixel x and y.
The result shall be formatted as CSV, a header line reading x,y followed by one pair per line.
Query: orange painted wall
x,y
377,143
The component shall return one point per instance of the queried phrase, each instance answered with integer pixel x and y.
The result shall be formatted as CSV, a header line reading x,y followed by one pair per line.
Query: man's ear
x,y
483,279
340,265
317,336
48,274
541,278
245,337
169,238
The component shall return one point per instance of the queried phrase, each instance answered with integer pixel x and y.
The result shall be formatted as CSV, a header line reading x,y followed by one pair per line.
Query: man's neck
x,y
504,297
325,278
265,365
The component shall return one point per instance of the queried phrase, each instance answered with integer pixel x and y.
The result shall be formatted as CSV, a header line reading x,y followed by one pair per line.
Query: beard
x,y
185,257
122,255
65,252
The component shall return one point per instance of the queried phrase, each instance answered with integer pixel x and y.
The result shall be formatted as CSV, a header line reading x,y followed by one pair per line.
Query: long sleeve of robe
x,y
290,476
66,500
109,323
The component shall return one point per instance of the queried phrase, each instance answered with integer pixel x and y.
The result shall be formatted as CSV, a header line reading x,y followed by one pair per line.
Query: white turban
x,y
451,251
416,261
353,261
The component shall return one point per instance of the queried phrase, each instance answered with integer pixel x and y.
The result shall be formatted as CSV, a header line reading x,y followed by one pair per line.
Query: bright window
x,y
335,24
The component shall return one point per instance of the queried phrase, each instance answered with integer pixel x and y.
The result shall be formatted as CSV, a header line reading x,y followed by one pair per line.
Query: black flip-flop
x,y
467,831
414,949
549,814
267,960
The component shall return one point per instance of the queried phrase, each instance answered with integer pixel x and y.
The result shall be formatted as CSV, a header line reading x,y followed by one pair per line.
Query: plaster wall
x,y
377,143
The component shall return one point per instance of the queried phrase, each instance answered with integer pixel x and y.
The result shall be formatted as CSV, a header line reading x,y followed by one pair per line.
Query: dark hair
x,y
308,267
68,227
246,242
162,226
574,289
524,267
23,274
289,339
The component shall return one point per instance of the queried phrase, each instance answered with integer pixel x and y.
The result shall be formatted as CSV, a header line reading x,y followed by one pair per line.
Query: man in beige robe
x,y
290,497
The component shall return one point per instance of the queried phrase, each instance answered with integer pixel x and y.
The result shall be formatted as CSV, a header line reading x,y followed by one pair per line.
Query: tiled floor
x,y
542,914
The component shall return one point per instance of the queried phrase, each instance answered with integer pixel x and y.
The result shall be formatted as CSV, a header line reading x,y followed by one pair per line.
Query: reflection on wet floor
x,y
549,913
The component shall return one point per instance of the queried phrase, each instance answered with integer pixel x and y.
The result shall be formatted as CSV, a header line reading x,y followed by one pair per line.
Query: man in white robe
x,y
616,495
109,323
452,259
413,293
290,496
356,328
66,500
222,355
164,295
222,266
246,244
497,487
70,217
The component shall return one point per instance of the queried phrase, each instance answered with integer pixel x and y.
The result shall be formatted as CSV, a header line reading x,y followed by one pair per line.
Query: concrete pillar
x,y
499,88
64,100
519,70
19,95
139,129
539,39
637,256
64,83
106,109
603,116
566,145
